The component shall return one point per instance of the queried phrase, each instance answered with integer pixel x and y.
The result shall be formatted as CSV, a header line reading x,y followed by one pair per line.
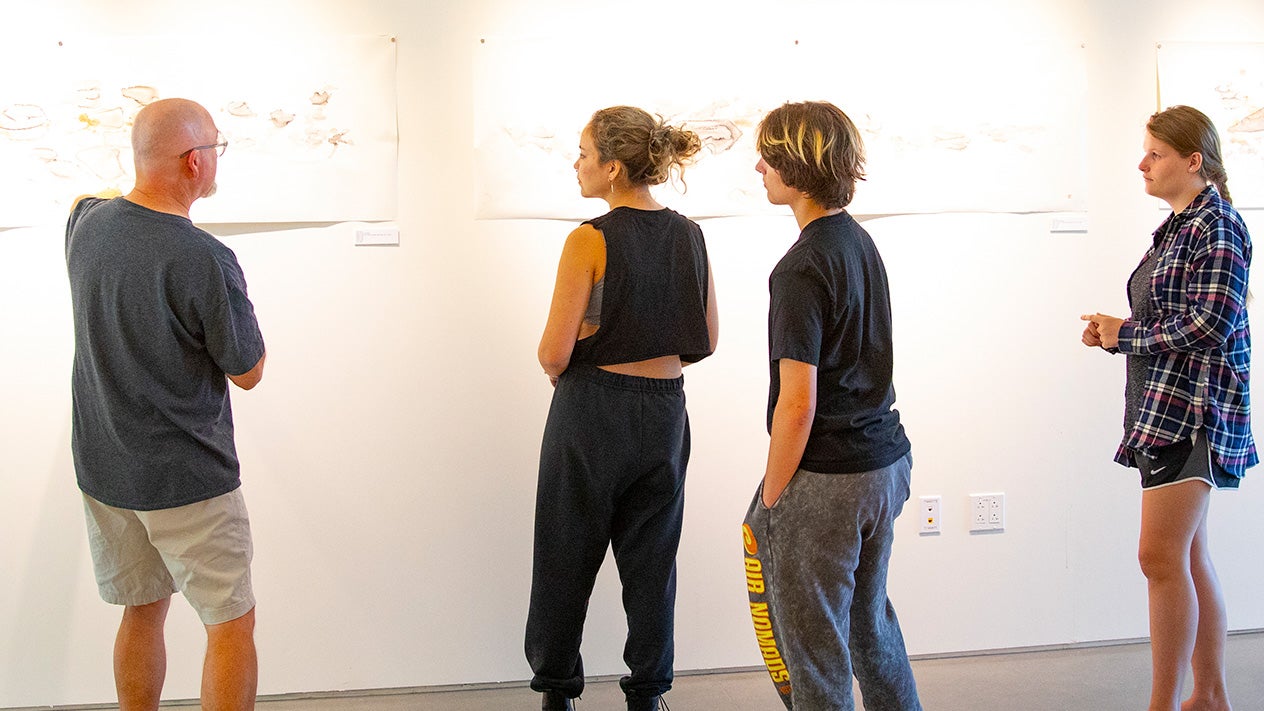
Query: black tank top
x,y
655,301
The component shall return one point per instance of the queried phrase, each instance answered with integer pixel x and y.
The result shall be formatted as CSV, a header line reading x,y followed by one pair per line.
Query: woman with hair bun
x,y
1187,419
634,302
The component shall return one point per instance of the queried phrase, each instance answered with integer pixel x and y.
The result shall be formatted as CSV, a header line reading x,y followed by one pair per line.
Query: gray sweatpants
x,y
816,572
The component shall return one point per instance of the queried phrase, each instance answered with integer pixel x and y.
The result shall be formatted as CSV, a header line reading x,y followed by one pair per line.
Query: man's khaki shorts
x,y
202,550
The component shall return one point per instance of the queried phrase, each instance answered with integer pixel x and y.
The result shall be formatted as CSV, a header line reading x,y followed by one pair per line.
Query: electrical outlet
x,y
987,512
996,512
930,514
978,512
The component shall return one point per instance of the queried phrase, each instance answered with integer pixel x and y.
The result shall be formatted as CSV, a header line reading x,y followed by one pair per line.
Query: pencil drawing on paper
x,y
94,144
326,127
280,118
931,126
23,121
1226,82
1250,123
1245,112
141,94
717,134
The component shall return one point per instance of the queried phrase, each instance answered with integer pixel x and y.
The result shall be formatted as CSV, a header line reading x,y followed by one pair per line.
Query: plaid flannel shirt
x,y
1201,340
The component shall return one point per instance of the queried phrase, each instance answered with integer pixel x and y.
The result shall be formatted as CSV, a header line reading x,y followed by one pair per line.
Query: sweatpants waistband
x,y
625,382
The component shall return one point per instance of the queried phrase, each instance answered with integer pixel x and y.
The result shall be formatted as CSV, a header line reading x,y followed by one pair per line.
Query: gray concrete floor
x,y
1114,678
1110,678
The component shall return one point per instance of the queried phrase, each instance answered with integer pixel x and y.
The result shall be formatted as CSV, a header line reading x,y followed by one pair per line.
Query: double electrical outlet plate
x,y
987,513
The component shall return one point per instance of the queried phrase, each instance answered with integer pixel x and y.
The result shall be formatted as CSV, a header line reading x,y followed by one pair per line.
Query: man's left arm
x,y
250,378
233,338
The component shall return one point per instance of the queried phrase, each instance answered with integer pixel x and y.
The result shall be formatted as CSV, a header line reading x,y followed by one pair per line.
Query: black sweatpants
x,y
612,472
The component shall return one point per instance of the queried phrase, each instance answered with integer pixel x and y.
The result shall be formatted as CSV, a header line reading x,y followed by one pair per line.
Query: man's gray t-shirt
x,y
161,314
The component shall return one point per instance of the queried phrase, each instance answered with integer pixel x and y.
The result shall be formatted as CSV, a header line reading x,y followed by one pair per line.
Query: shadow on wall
x,y
233,229
49,580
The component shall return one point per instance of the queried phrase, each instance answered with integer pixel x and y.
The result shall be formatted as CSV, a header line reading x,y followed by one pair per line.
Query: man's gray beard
x,y
213,190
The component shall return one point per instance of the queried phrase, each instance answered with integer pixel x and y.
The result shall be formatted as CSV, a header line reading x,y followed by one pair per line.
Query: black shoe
x,y
647,703
641,703
556,701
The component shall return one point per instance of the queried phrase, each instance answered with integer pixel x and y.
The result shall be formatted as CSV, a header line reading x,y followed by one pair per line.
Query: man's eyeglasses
x,y
220,146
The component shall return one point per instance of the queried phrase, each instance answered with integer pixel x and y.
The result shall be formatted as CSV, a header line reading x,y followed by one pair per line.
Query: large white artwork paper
x,y
1226,82
311,124
995,129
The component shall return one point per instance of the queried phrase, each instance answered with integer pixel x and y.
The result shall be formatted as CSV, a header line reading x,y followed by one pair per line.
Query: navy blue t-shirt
x,y
830,307
161,314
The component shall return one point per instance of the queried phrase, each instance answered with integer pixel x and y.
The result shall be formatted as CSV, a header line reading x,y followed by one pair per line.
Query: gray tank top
x,y
1138,367
592,315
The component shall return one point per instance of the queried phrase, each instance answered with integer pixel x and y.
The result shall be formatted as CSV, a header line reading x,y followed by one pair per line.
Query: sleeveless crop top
x,y
654,300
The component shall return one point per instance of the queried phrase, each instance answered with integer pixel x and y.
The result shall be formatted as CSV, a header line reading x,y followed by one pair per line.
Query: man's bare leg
x,y
230,675
140,656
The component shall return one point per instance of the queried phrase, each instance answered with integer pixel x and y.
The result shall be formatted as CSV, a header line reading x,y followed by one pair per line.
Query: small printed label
x,y
378,236
1069,225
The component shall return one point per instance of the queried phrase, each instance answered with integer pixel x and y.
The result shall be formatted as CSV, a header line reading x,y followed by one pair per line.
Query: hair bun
x,y
647,146
659,136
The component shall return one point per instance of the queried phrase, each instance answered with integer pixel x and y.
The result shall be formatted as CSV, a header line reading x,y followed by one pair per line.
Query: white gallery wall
x,y
389,455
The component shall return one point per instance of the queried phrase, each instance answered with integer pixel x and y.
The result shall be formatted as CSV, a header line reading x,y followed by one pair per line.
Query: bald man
x,y
162,325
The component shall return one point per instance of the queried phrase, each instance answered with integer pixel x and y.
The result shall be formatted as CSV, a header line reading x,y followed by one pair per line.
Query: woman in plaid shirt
x,y
1187,405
